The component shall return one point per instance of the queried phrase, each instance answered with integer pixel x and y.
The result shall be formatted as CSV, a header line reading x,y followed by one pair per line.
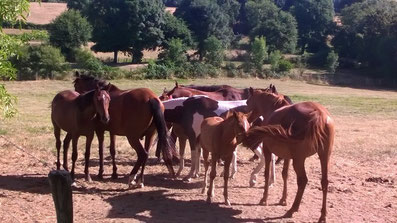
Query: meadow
x,y
363,173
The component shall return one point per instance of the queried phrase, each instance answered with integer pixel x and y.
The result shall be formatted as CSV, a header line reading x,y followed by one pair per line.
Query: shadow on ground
x,y
30,183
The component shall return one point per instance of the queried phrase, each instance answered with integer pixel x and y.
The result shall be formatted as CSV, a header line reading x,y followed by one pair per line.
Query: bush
x,y
175,54
199,69
41,61
258,52
274,59
332,61
213,51
85,60
68,31
157,71
231,70
284,66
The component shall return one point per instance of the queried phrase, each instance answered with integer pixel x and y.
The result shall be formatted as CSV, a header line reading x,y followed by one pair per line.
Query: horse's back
x,y
64,110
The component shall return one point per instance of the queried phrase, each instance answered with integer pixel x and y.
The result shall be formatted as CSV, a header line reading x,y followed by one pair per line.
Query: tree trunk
x,y
137,56
115,56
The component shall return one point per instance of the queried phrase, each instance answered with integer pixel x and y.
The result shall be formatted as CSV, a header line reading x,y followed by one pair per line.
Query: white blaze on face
x,y
197,120
103,97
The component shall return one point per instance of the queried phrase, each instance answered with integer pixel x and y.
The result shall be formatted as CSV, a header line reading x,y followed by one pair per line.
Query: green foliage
x,y
332,61
206,18
315,22
43,61
259,52
263,18
200,70
127,25
369,36
12,10
274,59
175,54
69,30
176,28
157,71
214,52
81,5
7,103
231,70
284,66
33,35
86,61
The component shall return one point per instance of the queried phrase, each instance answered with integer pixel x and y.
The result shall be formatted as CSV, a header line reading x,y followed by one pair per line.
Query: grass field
x,y
365,147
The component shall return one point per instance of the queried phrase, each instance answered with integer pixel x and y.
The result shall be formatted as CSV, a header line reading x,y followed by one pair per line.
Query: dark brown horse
x,y
216,92
135,114
292,132
75,114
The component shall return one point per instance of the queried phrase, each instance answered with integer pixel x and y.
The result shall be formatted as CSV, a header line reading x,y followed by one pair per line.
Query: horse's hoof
x,y
252,183
232,176
322,220
288,214
140,185
227,203
115,176
196,175
282,202
263,202
74,184
178,174
187,179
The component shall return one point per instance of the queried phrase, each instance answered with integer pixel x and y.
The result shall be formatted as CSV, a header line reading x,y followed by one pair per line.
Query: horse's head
x,y
101,102
84,83
241,124
164,96
263,103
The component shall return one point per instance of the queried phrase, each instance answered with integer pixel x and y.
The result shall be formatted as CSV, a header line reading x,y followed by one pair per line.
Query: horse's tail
x,y
318,131
257,134
164,143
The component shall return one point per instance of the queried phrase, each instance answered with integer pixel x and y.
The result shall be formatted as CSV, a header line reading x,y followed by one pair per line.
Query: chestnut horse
x,y
133,113
75,114
220,137
292,132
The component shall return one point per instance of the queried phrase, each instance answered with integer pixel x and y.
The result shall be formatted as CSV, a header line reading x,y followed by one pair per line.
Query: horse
x,y
134,113
188,114
75,113
220,137
216,92
294,132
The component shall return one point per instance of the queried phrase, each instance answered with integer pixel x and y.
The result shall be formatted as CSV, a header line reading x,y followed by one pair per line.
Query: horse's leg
x,y
100,136
299,167
226,179
57,134
273,170
254,174
113,154
142,157
66,143
206,165
197,163
75,140
324,155
234,164
182,147
192,142
210,192
267,155
149,138
87,157
283,200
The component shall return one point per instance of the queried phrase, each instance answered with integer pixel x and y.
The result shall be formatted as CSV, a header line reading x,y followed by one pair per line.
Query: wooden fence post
x,y
60,182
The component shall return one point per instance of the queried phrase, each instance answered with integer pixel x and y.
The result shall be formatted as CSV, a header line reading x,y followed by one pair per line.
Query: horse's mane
x,y
84,100
85,77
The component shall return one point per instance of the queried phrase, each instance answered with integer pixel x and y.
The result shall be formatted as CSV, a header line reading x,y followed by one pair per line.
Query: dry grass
x,y
44,13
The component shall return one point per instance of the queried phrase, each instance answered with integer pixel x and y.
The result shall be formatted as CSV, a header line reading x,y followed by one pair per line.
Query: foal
x,y
75,114
292,132
220,137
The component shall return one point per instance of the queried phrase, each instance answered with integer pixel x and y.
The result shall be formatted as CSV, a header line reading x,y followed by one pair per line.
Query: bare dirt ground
x,y
362,187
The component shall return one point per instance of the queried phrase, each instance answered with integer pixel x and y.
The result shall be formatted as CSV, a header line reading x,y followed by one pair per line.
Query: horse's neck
x,y
228,131
86,106
113,88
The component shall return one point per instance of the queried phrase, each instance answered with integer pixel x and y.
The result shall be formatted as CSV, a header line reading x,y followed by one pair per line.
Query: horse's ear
x,y
274,90
251,91
77,74
165,90
176,84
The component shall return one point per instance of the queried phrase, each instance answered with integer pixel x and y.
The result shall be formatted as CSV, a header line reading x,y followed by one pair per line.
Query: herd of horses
x,y
214,119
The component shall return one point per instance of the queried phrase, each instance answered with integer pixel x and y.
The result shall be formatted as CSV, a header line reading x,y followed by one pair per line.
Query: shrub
x,y
41,61
284,66
213,51
174,54
274,59
231,70
199,69
85,60
259,52
332,61
157,71
68,31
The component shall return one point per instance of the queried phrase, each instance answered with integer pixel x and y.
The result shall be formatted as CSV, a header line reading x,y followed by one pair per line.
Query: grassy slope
x,y
364,117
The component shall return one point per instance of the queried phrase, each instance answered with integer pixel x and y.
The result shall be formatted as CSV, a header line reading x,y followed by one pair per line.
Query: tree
x,y
259,52
175,54
81,5
127,25
369,36
213,51
206,18
315,20
10,11
69,30
176,28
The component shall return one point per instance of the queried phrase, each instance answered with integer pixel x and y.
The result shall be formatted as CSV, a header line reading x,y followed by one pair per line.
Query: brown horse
x,y
133,113
216,92
220,137
292,132
75,114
